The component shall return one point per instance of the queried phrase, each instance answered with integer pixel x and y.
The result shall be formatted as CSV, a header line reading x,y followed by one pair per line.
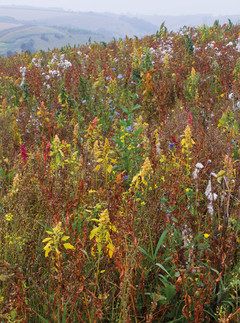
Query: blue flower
x,y
84,101
119,76
171,144
116,113
108,78
125,177
132,82
129,128
113,69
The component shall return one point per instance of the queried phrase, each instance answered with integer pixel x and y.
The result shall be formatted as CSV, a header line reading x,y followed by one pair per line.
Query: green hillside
x,y
34,38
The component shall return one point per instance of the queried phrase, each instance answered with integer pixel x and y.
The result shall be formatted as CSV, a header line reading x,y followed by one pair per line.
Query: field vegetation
x,y
120,178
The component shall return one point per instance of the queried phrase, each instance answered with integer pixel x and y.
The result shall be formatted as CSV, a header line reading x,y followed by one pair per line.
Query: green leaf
x,y
170,291
14,314
161,266
146,254
164,200
137,106
160,242
42,318
124,109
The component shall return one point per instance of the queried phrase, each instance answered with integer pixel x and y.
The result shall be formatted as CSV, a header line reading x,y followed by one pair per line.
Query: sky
x,y
161,7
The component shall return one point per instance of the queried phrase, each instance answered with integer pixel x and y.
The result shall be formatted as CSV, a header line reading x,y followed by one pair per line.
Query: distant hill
x,y
176,22
117,25
20,37
36,28
33,28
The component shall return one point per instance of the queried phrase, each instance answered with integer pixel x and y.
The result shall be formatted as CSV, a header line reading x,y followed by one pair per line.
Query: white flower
x,y
195,173
210,196
210,208
199,165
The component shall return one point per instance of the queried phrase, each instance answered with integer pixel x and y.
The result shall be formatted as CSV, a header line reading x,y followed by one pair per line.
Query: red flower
x,y
24,154
190,118
47,151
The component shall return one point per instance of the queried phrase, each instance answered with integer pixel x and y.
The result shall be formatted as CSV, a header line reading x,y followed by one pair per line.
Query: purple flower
x,y
132,82
108,78
125,177
171,144
129,128
113,69
116,113
119,76
84,101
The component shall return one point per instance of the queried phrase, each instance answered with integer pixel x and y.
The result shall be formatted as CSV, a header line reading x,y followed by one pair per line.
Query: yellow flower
x,y
206,235
140,177
187,141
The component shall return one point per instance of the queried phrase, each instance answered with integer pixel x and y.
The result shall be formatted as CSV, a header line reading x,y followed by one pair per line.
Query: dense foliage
x,y
120,178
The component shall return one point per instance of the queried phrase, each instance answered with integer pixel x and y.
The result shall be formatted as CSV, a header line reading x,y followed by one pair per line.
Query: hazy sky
x,y
169,7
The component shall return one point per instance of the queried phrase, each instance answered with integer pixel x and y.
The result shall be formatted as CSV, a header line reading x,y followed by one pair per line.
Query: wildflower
x,y
199,166
210,196
113,69
206,235
119,76
47,151
55,240
108,78
174,140
84,101
129,128
171,145
190,118
187,142
101,233
140,177
9,217
24,154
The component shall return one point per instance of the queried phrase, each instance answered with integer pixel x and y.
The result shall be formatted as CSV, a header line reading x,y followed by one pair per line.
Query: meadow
x,y
120,178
